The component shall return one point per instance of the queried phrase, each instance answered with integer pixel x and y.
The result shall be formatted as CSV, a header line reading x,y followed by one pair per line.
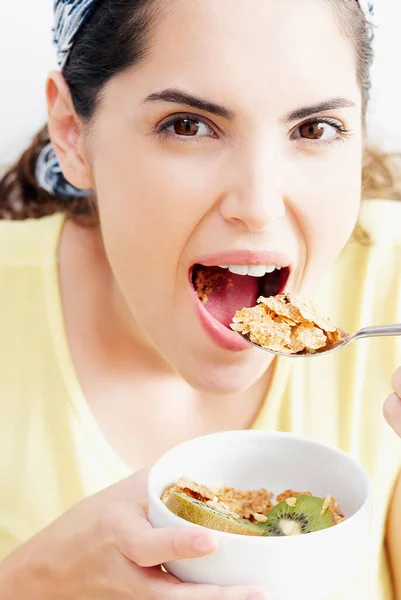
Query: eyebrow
x,y
177,96
180,97
313,109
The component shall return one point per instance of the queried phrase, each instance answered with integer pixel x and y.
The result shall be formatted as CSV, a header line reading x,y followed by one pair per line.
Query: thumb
x,y
392,412
135,487
132,489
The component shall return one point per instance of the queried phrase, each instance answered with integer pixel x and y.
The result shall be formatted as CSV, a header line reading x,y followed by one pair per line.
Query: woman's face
x,y
238,141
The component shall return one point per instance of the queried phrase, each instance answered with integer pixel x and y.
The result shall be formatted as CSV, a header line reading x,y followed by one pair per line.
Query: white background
x,y
26,55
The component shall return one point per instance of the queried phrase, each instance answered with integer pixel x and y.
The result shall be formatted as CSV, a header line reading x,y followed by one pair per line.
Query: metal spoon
x,y
366,332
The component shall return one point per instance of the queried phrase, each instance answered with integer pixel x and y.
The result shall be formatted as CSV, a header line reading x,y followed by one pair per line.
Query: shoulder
x,y
30,242
363,287
380,221
373,255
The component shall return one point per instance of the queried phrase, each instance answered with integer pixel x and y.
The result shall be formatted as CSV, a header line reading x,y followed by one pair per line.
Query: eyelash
x,y
344,132
161,130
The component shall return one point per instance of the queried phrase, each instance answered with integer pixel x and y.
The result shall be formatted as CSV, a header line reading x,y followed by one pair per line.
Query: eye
x,y
322,130
187,126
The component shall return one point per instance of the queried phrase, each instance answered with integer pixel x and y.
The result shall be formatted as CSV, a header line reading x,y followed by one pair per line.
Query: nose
x,y
255,198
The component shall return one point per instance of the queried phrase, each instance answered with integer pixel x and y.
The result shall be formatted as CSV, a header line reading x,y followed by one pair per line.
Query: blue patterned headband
x,y
70,16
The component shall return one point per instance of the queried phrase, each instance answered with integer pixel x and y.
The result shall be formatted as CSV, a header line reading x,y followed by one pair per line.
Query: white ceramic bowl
x,y
305,567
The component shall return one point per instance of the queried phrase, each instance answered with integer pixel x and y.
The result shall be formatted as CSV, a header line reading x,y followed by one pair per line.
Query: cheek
x,y
152,190
326,205
149,207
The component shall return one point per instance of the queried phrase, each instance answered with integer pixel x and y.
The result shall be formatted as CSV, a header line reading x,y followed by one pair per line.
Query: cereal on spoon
x,y
287,324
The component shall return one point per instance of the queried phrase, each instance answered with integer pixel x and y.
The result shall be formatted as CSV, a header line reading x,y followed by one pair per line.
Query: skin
x,y
250,183
262,188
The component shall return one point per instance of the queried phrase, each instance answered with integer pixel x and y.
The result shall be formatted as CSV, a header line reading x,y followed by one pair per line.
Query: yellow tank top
x,y
53,453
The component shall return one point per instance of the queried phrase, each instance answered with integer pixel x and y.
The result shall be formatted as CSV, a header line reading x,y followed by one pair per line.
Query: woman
x,y
186,135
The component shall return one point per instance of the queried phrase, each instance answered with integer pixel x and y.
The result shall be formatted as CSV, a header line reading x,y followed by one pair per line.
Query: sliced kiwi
x,y
202,514
295,516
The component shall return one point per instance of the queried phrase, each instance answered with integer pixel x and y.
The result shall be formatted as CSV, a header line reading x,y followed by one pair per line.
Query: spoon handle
x,y
379,330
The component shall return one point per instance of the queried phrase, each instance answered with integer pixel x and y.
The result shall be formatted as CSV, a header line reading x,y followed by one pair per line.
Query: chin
x,y
225,377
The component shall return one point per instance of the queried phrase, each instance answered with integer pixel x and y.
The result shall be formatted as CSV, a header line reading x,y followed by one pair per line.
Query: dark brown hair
x,y
117,37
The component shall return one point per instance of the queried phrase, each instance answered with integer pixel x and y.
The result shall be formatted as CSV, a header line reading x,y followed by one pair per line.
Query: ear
x,y
66,132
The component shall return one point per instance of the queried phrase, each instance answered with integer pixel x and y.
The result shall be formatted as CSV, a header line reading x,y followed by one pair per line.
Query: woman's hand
x,y
105,549
392,406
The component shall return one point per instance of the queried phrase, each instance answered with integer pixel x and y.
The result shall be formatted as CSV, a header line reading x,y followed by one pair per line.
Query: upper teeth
x,y
253,270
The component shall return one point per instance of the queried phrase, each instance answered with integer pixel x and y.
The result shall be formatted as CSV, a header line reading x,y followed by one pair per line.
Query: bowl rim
x,y
153,497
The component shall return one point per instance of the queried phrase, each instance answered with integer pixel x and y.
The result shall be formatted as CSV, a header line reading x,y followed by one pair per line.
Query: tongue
x,y
231,293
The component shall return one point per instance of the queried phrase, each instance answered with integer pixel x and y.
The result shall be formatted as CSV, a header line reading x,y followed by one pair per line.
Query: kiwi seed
x,y
303,516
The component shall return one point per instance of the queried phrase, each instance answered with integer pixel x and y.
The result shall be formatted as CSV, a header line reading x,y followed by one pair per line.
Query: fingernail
x,y
256,597
204,543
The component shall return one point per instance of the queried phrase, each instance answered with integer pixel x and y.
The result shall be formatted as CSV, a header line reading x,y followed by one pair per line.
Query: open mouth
x,y
225,289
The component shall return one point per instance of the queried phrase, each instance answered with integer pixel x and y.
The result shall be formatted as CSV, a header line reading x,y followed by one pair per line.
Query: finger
x,y
396,382
148,547
190,591
392,412
136,539
152,584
